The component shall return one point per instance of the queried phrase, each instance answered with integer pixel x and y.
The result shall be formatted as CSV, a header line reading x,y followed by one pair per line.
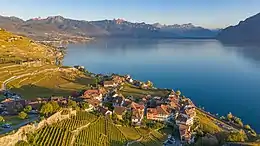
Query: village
x,y
107,100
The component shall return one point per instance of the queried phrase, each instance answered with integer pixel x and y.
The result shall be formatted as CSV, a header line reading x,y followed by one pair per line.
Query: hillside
x,y
60,28
20,49
29,69
93,130
246,31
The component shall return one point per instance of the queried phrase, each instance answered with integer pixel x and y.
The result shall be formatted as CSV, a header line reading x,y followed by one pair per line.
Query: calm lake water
x,y
222,78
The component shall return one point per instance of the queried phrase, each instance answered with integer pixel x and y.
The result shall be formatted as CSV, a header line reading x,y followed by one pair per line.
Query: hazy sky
x,y
206,13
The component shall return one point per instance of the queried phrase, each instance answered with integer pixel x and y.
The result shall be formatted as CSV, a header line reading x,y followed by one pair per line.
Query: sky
x,y
205,13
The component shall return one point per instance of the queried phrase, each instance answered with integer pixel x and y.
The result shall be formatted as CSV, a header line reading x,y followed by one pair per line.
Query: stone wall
x,y
12,139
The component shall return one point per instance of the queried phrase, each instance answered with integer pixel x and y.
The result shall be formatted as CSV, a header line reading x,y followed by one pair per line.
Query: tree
x,y
238,121
2,119
236,136
109,105
46,109
55,106
85,105
178,93
72,104
18,107
27,109
229,116
149,83
247,127
23,115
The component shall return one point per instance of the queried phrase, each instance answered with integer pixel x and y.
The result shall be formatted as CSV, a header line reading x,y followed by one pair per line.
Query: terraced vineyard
x,y
86,129
101,133
42,81
53,136
81,119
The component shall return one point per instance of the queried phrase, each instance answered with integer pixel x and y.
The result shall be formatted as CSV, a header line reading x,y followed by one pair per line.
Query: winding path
x,y
138,140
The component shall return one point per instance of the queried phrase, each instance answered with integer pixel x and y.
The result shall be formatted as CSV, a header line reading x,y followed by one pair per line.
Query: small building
x,y
104,111
160,113
137,106
93,94
93,104
185,133
182,119
137,117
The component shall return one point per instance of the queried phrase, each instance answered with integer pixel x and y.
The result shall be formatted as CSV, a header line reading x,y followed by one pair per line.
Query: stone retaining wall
x,y
12,139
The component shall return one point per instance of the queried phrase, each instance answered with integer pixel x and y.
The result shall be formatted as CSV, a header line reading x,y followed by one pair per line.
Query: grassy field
x,y
130,90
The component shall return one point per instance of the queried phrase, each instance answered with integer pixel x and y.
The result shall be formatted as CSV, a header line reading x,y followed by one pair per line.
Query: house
x,y
93,94
144,86
137,117
117,101
185,133
126,102
109,84
119,111
129,79
160,113
182,119
137,106
93,104
172,95
118,79
104,111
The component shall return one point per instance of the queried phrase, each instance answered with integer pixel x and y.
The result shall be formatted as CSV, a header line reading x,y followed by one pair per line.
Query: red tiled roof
x,y
136,114
93,102
135,105
91,92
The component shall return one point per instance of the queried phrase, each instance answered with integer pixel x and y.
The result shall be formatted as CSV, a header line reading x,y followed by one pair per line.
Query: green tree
x,y
72,104
55,106
22,115
178,93
238,121
237,136
46,109
149,83
85,105
2,119
109,105
247,127
229,116
27,109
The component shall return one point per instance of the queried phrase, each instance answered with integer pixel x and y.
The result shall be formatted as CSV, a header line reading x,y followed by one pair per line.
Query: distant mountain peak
x,y
119,20
58,19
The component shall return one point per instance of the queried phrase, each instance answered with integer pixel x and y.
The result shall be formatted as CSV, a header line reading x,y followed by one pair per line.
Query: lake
x,y
220,77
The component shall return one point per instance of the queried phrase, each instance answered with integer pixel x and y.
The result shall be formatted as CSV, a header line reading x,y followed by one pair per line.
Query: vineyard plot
x,y
101,133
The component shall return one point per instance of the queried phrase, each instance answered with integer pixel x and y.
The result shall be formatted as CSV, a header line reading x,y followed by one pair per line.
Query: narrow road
x,y
131,142
6,130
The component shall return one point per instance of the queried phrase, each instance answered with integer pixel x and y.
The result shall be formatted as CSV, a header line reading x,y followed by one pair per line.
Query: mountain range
x,y
247,31
58,27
